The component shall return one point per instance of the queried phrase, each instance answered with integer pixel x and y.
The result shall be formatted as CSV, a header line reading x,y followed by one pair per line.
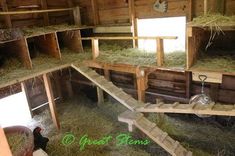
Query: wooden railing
x,y
159,42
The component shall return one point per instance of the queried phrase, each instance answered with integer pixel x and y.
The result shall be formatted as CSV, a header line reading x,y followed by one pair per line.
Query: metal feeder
x,y
201,99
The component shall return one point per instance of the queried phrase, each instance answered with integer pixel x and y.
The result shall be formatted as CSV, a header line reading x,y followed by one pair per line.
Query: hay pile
x,y
81,117
34,31
16,141
201,137
215,63
13,69
214,20
116,54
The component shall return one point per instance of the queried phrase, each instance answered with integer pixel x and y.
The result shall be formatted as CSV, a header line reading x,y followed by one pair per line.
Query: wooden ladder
x,y
154,132
117,93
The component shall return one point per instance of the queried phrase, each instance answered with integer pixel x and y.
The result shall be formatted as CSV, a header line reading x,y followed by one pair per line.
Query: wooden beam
x,y
190,10
100,95
4,146
133,21
34,11
130,38
45,15
205,7
95,12
160,52
7,17
51,101
95,48
25,91
77,16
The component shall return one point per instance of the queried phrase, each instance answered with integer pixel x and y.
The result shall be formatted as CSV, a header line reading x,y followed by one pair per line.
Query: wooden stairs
x,y
154,132
134,118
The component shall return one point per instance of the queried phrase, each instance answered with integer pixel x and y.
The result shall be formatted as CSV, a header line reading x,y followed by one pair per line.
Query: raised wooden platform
x,y
211,109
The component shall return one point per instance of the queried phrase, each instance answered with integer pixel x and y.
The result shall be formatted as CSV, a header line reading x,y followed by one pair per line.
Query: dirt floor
x,y
82,116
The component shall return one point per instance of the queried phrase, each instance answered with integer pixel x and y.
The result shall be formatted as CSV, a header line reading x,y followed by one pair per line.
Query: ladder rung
x,y
163,137
176,145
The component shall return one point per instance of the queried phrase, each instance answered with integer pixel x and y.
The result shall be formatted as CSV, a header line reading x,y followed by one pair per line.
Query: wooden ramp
x,y
155,133
134,118
211,109
117,93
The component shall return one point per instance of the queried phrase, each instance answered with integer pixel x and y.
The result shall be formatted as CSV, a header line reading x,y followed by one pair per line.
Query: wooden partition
x,y
18,49
70,39
47,44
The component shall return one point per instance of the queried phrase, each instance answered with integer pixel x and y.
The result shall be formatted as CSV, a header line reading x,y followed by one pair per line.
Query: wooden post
x,y
188,84
100,95
95,12
77,16
58,85
69,88
107,74
51,101
133,22
140,81
190,10
160,52
189,47
4,146
45,15
25,91
205,7
95,48
7,18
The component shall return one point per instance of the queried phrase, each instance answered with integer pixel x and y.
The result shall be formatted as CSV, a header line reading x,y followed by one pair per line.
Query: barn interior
x,y
159,73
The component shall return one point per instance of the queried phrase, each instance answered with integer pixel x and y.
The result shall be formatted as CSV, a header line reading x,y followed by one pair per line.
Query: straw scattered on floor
x,y
16,141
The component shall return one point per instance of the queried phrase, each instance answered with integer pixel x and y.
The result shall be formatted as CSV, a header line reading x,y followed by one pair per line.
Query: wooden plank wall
x,y
36,19
117,11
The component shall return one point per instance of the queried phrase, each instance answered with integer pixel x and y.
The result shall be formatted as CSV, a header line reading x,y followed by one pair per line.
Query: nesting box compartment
x,y
47,44
16,49
211,52
70,39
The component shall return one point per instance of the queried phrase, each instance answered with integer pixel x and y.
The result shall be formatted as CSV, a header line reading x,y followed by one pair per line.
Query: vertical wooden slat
x,y
190,10
77,16
45,15
7,18
189,47
4,146
95,11
100,95
95,48
51,101
72,14
188,82
140,81
205,7
25,91
133,21
160,52
107,74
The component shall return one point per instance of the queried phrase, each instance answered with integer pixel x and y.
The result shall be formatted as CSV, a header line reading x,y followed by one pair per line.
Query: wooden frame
x,y
159,41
